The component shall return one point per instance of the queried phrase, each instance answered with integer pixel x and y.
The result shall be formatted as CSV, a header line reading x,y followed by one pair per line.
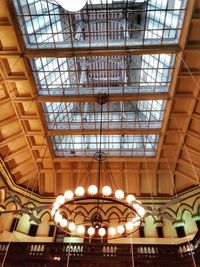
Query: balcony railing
x,y
115,254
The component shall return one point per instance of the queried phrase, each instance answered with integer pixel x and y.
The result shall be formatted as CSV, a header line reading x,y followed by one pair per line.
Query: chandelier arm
x,y
76,213
109,199
104,222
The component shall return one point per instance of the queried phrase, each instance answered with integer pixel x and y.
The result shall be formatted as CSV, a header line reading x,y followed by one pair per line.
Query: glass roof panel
x,y
112,145
103,74
117,23
116,115
107,24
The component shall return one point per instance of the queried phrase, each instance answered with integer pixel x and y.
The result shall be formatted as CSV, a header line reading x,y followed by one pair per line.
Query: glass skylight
x,y
103,74
112,145
131,127
116,115
100,23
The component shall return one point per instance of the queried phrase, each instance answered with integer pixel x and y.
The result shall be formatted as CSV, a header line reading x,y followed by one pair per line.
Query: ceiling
x,y
53,64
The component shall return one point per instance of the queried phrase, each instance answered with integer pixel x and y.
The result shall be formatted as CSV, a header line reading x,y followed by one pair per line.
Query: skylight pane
x,y
112,145
103,74
117,23
116,115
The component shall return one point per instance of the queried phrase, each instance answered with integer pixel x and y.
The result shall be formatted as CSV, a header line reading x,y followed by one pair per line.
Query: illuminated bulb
x,y
119,194
72,226
106,190
81,229
136,206
130,199
80,191
72,6
141,211
120,229
68,195
53,211
102,232
136,221
57,217
91,231
112,231
129,226
56,205
60,200
63,222
92,190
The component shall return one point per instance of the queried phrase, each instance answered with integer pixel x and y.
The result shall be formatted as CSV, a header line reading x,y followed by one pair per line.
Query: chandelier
x,y
87,211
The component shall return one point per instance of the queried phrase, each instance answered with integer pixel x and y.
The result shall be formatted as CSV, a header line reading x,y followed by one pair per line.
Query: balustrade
x,y
149,255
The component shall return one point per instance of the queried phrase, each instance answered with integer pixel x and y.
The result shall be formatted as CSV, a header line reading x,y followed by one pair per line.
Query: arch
x,y
196,205
11,202
114,214
147,218
45,214
82,210
114,209
93,210
187,210
182,208
171,212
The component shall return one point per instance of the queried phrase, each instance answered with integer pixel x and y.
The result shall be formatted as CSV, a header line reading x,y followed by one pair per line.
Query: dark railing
x,y
117,254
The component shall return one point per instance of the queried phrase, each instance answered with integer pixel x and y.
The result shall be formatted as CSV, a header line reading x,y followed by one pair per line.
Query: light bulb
x,y
60,200
91,231
120,229
68,195
92,190
57,217
102,232
119,194
53,211
63,222
56,205
130,199
112,231
106,190
141,211
81,229
129,226
80,191
136,221
72,226
136,206
72,6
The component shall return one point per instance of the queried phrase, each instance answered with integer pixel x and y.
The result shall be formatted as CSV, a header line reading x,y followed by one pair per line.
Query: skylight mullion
x,y
53,37
111,144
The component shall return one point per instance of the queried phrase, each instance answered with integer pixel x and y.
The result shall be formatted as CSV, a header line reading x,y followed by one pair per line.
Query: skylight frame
x,y
155,73
62,32
68,71
112,145
79,116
